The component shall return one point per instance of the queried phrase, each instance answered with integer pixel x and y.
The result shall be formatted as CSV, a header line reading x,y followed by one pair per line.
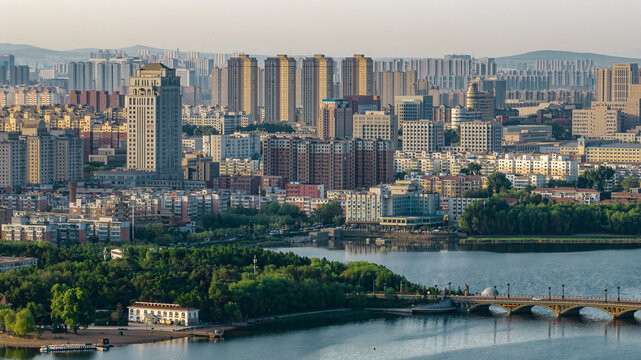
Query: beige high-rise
x,y
242,86
13,156
317,84
41,153
280,89
154,121
357,74
334,119
480,101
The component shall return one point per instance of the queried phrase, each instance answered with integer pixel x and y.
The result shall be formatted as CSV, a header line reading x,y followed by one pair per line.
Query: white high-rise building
x,y
154,121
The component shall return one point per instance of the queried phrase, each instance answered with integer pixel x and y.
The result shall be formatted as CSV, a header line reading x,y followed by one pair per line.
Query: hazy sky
x,y
334,27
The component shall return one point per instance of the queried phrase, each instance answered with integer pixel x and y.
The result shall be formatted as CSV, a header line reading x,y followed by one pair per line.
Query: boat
x,y
217,334
67,347
102,345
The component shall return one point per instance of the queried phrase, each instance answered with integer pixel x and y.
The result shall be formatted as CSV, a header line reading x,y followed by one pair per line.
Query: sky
x,y
394,28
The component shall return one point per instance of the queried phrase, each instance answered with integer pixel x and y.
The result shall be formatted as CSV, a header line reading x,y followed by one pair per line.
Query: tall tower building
x,y
41,152
154,121
219,87
13,160
480,101
242,86
604,84
334,119
317,82
623,75
357,75
280,89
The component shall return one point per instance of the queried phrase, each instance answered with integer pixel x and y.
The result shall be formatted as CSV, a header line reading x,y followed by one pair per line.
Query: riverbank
x,y
90,336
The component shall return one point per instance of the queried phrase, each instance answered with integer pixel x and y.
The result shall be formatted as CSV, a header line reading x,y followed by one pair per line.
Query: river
x,y
459,336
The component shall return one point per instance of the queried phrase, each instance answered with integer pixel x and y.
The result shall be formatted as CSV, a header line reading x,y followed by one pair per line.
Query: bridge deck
x,y
529,300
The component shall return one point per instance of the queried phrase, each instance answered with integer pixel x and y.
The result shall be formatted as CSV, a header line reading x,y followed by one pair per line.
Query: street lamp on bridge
x,y
508,290
549,293
606,295
618,293
563,291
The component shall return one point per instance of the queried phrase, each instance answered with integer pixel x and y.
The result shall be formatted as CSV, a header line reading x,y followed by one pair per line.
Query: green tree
x,y
629,182
471,169
595,178
451,137
24,323
9,319
3,318
330,213
71,307
498,182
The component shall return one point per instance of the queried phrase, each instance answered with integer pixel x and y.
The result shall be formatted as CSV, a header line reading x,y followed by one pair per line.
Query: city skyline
x,y
212,27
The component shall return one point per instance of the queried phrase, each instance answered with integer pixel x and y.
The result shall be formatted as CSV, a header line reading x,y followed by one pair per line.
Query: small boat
x,y
67,347
217,334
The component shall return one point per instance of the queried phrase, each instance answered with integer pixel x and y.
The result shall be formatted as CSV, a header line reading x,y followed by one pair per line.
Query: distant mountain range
x,y
28,54
532,56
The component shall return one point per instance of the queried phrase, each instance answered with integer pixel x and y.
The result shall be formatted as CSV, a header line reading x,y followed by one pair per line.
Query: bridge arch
x,y
625,314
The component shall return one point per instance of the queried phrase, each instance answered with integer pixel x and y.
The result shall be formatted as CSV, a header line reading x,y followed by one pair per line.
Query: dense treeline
x,y
496,217
218,280
246,223
268,127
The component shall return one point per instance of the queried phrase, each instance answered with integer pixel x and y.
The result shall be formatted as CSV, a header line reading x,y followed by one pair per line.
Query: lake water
x,y
360,335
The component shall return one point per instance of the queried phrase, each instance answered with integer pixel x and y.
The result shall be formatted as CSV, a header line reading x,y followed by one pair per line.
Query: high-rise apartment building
x,y
317,84
219,95
13,156
334,119
376,125
357,74
69,158
481,136
154,121
390,84
423,135
242,86
280,89
337,164
41,153
481,101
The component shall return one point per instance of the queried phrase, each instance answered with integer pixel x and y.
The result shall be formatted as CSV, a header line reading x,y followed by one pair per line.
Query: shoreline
x,y
138,336
90,335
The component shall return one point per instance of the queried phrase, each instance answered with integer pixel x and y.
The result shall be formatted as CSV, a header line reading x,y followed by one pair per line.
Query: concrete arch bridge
x,y
616,309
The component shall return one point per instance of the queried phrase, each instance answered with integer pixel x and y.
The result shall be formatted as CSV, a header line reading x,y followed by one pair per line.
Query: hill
x,y
532,56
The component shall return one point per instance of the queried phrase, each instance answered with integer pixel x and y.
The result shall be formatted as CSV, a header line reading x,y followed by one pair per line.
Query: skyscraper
x,y
154,121
480,101
317,82
242,86
334,119
357,75
280,89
